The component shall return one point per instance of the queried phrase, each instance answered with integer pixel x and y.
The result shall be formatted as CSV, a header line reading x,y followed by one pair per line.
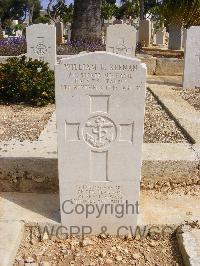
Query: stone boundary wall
x,y
163,66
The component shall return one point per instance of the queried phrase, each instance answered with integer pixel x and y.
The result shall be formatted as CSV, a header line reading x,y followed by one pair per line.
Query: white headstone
x,y
192,58
137,36
41,43
175,37
160,36
59,32
100,101
19,33
184,37
69,34
145,27
121,39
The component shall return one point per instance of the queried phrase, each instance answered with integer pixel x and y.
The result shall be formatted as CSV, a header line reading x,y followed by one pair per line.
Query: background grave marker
x,y
41,43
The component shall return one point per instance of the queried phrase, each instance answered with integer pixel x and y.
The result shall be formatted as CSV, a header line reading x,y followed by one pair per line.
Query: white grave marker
x,y
121,39
160,36
100,100
145,29
41,43
192,58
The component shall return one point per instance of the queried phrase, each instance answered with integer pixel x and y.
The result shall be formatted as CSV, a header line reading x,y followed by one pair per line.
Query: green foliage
x,y
181,12
19,27
60,10
150,6
42,19
35,5
66,13
129,8
108,9
18,9
26,81
10,9
133,8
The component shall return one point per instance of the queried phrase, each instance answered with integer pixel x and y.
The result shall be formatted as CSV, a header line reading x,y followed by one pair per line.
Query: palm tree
x,y
87,20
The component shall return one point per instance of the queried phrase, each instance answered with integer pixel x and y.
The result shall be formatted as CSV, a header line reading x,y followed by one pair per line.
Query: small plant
x,y
13,46
28,81
75,47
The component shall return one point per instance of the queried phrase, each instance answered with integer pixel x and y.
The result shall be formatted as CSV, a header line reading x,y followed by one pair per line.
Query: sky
x,y
44,2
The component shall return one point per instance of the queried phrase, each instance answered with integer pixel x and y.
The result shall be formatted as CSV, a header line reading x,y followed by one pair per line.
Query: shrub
x,y
27,81
75,47
13,46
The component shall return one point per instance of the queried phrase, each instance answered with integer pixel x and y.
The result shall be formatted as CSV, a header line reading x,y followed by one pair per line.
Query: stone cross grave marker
x,y
121,39
41,43
192,58
100,100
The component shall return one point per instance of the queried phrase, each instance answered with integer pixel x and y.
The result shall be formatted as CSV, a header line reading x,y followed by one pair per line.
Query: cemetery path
x,y
192,96
43,208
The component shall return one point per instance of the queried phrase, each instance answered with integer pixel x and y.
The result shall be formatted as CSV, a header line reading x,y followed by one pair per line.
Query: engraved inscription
x,y
100,77
94,194
40,49
121,48
99,132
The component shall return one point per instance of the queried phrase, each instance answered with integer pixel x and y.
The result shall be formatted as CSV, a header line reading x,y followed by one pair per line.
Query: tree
x,y
18,9
137,8
33,8
129,8
108,9
63,12
42,19
87,20
180,12
141,9
12,9
54,7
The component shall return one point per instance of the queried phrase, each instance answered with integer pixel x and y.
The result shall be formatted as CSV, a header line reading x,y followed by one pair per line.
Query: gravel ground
x,y
23,122
192,96
158,126
91,251
26,123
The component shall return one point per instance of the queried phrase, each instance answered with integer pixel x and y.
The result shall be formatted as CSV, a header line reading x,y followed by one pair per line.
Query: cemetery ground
x,y
170,181
23,122
170,147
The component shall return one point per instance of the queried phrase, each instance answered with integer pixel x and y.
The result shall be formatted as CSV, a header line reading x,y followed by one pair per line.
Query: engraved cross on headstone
x,y
121,48
99,132
40,49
